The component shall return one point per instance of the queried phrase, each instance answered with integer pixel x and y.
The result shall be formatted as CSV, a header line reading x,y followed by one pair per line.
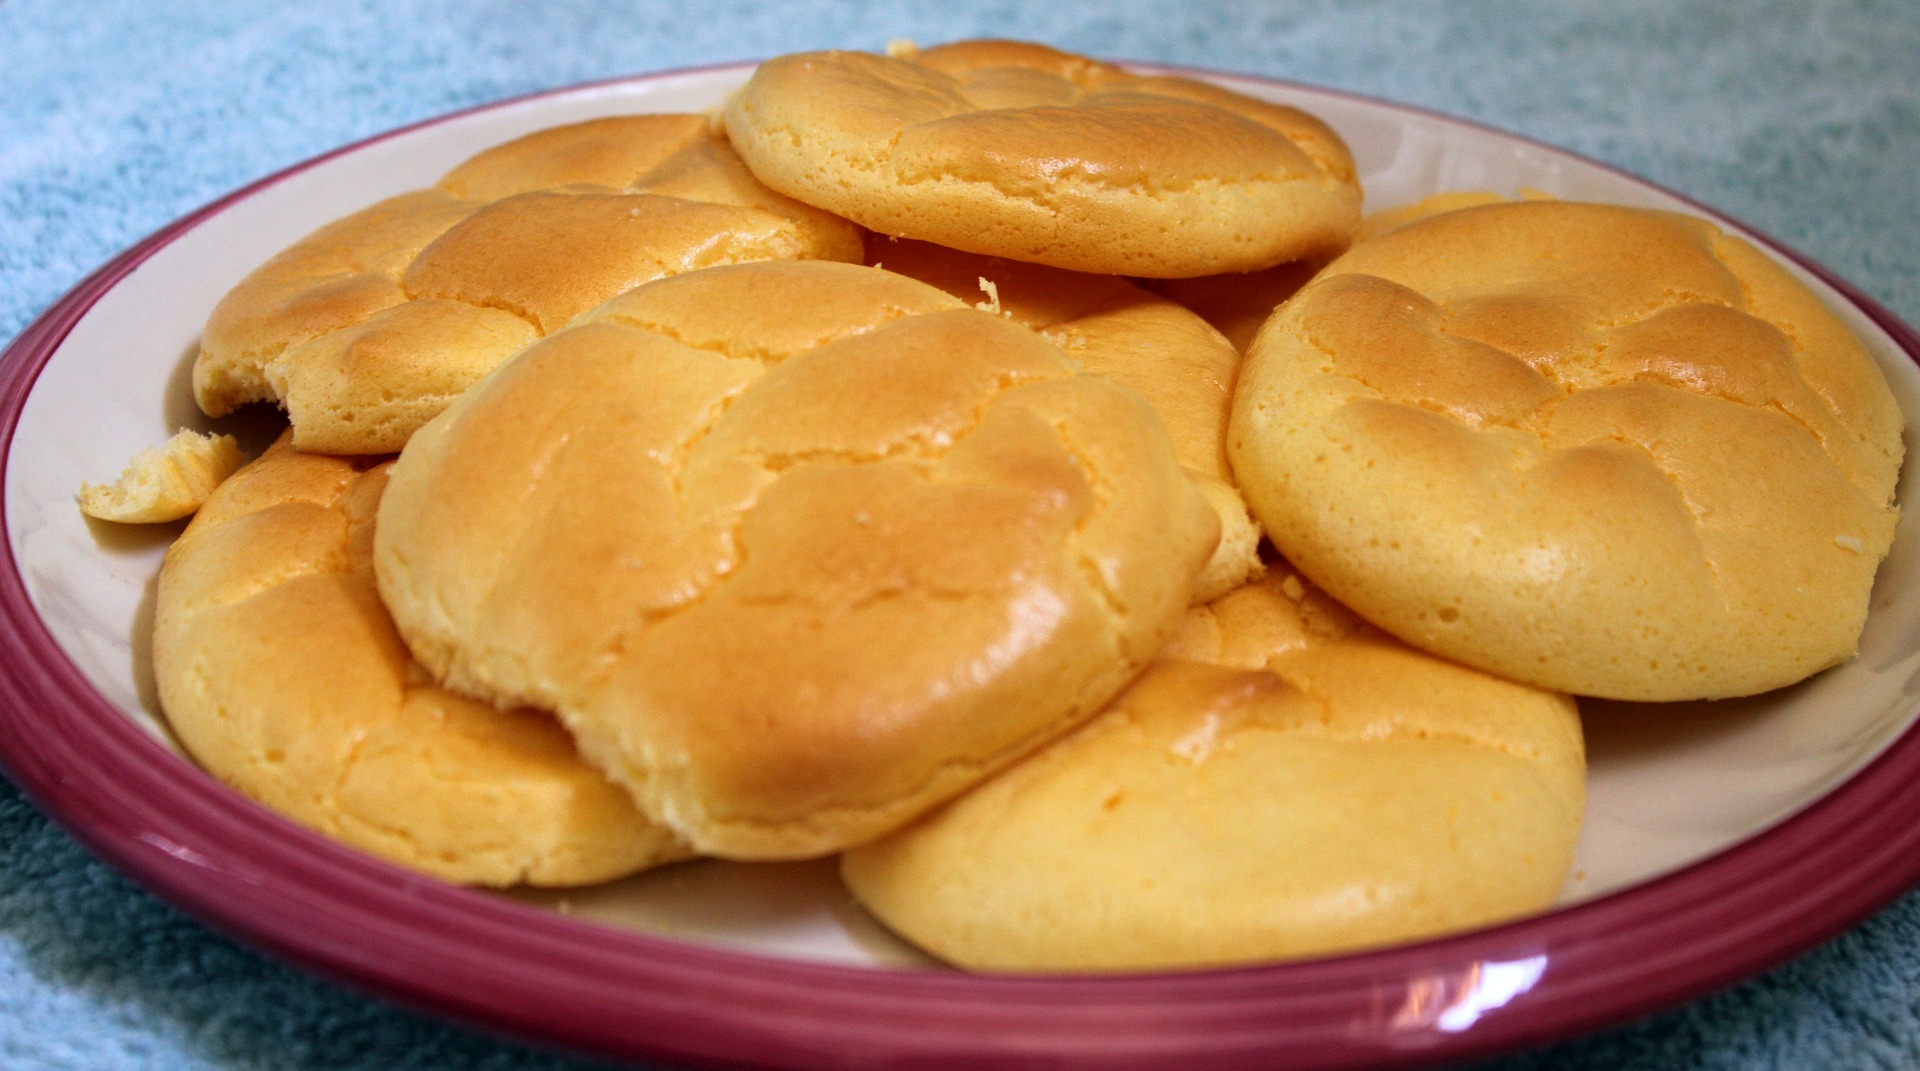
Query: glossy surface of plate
x,y
1720,837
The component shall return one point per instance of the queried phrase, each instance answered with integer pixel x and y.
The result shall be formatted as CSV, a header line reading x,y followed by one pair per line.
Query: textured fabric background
x,y
117,116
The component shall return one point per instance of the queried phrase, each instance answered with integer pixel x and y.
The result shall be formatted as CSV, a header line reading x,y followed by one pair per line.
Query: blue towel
x,y
117,116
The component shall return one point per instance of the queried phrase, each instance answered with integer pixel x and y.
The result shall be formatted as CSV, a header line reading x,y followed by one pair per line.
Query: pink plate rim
x,y
524,971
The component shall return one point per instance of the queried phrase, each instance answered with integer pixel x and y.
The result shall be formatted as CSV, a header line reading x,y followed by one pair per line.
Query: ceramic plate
x,y
1720,838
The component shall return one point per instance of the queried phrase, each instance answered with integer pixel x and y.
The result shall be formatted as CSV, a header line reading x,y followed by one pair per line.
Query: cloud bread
x,y
1285,781
281,673
370,325
1110,327
1600,449
796,549
1022,151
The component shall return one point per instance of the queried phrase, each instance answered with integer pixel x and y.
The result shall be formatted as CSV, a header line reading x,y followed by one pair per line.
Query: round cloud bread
x,y
1285,781
1181,366
1604,450
797,550
281,673
369,326
1021,151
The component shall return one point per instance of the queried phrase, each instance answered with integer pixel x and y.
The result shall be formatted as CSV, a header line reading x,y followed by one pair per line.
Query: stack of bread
x,y
857,471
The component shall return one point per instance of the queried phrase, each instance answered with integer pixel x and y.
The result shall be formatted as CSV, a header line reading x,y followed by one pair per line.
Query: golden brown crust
x,y
336,387
1600,449
1110,327
541,228
281,673
333,278
1285,781
1021,151
796,549
613,153
1377,223
551,255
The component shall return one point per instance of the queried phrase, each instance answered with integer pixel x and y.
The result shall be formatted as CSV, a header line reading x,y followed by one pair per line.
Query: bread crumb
x,y
904,48
1847,542
992,304
1293,588
164,483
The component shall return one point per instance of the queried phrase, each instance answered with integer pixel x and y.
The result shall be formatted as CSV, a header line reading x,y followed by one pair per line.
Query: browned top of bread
x,y
1602,449
510,245
616,153
796,549
1022,151
281,673
1110,327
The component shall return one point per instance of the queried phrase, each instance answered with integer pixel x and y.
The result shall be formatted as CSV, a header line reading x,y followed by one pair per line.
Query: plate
x,y
1721,838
